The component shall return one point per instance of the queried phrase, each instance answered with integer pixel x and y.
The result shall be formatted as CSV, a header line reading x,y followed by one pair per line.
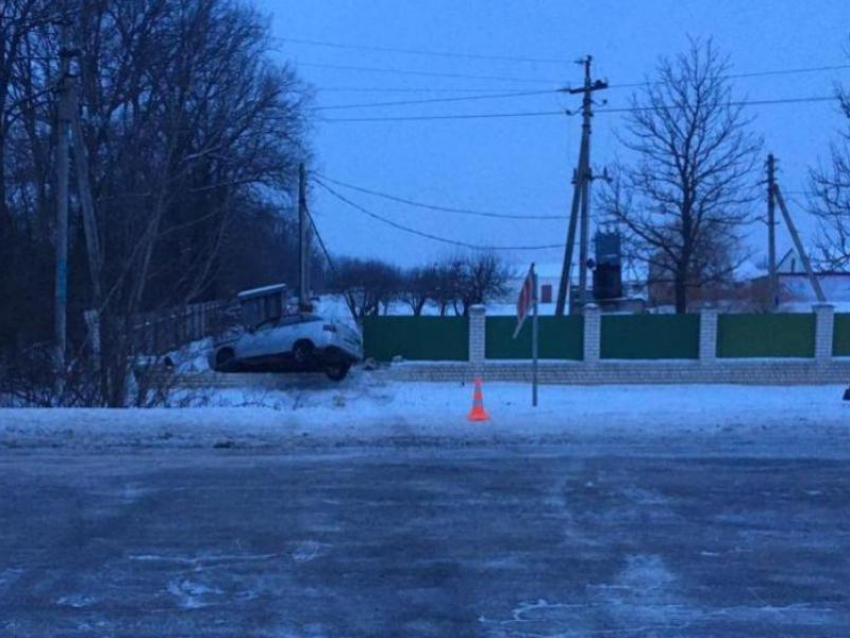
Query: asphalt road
x,y
422,542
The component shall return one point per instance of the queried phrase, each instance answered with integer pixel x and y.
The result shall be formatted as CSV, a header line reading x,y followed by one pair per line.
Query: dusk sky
x,y
522,165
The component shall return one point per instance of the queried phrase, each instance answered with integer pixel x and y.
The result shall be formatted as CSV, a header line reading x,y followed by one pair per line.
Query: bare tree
x,y
483,277
691,181
418,287
830,185
190,127
448,275
366,285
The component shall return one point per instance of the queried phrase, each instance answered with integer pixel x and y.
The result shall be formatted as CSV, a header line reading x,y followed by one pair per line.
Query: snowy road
x,y
423,542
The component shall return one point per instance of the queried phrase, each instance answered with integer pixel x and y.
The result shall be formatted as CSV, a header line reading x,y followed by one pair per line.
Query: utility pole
x,y
90,225
63,119
303,261
813,280
771,232
581,192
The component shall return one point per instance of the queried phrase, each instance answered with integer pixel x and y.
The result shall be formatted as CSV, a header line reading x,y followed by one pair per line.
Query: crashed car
x,y
274,339
304,342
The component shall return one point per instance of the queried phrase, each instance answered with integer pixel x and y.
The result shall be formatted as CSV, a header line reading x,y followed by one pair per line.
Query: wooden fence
x,y
165,330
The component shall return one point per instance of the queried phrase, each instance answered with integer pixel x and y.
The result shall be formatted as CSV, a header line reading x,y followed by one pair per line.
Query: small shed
x,y
261,305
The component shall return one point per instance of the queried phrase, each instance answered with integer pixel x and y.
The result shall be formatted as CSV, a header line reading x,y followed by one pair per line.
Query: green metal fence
x,y
559,338
416,338
622,337
841,335
650,337
775,335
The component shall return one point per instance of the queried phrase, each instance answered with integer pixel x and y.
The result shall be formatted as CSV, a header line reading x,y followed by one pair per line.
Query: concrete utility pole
x,y
581,192
813,280
63,120
90,226
771,232
303,241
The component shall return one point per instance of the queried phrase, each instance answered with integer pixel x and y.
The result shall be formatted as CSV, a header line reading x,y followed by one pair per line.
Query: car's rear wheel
x,y
225,360
337,371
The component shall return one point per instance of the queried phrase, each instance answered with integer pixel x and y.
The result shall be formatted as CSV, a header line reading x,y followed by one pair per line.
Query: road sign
x,y
525,300
528,299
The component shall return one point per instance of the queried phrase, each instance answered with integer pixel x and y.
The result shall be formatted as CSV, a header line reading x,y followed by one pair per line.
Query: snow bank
x,y
368,409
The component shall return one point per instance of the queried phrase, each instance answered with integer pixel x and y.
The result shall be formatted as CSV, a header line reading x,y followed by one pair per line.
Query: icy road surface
x,y
589,540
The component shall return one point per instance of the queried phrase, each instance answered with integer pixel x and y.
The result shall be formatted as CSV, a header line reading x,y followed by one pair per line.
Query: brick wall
x,y
738,371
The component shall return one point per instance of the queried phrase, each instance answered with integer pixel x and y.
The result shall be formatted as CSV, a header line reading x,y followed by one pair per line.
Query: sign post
x,y
528,298
534,341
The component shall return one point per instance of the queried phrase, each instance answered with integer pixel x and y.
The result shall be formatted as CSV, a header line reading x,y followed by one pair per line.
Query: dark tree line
x,y
452,285
193,135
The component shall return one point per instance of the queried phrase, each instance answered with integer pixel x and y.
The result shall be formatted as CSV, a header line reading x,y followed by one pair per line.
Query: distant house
x,y
795,289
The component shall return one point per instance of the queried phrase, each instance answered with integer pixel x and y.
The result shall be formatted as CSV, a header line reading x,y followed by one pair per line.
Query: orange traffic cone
x,y
478,412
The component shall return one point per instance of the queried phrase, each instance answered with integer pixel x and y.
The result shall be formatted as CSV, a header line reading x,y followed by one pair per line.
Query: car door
x,y
268,342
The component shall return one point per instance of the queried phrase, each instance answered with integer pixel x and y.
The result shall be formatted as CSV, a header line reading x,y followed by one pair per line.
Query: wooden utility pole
x,y
63,119
581,192
771,232
303,241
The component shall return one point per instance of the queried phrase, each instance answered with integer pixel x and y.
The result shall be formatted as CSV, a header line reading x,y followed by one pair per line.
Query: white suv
x,y
297,342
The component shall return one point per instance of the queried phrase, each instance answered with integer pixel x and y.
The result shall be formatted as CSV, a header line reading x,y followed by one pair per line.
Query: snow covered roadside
x,y
370,411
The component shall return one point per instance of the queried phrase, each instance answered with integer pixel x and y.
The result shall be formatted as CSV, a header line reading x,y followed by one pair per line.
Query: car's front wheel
x,y
337,371
225,360
302,352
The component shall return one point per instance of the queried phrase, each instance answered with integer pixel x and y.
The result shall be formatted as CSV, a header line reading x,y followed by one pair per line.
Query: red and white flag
x,y
525,301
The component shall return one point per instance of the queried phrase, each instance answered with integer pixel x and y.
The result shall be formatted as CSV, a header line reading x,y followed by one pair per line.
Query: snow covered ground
x,y
368,409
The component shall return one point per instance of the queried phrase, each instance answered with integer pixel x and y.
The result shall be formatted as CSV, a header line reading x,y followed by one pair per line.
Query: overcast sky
x,y
523,165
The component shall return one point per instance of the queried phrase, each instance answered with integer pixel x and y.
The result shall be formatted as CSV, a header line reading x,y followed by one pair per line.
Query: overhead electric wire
x,y
445,209
749,74
401,89
470,116
752,74
435,100
413,231
437,74
321,241
424,52
521,114
526,59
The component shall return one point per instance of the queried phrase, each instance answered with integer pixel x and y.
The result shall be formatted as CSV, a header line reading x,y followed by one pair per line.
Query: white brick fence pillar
x,y
708,335
477,338
592,333
824,326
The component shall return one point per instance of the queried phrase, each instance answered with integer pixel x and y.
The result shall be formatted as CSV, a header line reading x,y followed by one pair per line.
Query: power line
x,y
445,209
423,52
523,114
435,100
436,74
471,116
505,58
796,71
321,241
750,74
401,89
419,233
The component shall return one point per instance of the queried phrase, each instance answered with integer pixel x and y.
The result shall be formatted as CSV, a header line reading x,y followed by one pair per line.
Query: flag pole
x,y
534,339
